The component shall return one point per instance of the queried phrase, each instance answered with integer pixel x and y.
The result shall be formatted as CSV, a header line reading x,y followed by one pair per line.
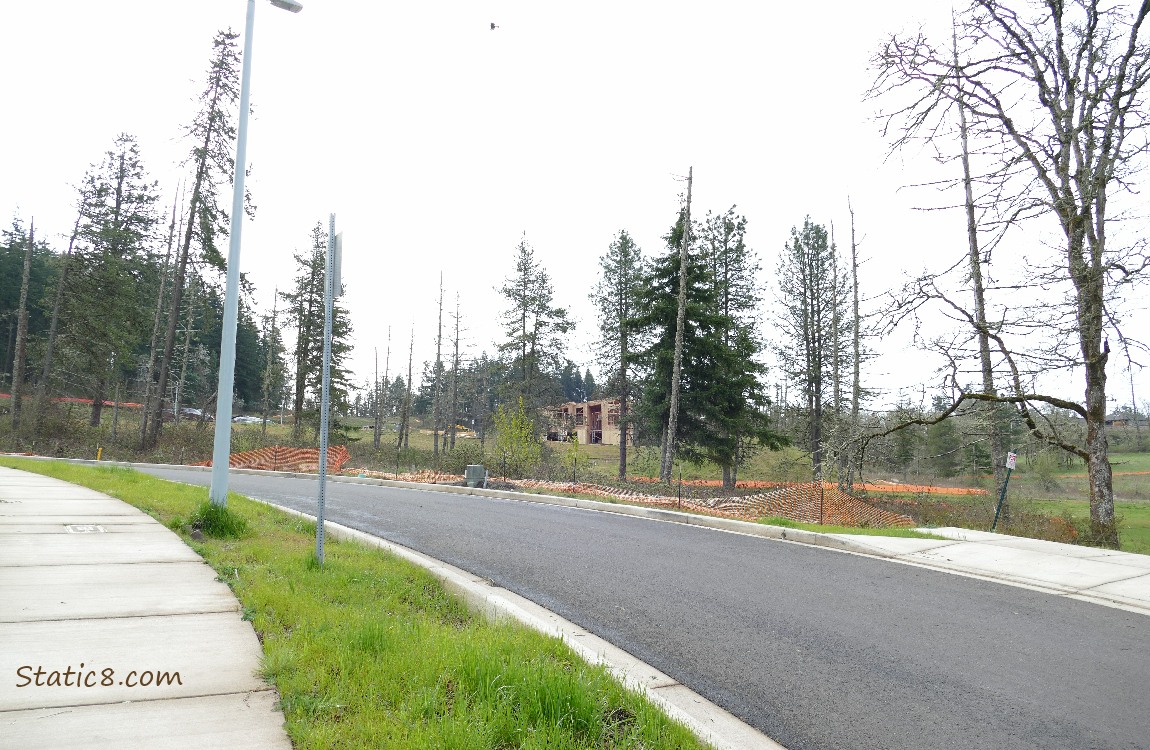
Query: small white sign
x,y
1012,460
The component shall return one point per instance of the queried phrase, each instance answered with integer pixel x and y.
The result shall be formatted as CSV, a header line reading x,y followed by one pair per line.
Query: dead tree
x,y
991,412
405,414
437,369
668,447
54,325
22,330
145,410
454,379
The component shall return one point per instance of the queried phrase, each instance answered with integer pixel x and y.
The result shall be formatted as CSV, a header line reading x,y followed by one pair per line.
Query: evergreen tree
x,y
589,391
213,133
813,327
305,313
943,443
43,275
906,442
618,293
721,398
104,309
733,268
533,325
273,383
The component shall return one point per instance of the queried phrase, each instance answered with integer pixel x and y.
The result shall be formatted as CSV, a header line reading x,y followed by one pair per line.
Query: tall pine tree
x,y
304,311
618,294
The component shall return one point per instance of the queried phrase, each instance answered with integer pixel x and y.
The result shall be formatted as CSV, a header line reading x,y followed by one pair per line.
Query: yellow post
x,y
99,452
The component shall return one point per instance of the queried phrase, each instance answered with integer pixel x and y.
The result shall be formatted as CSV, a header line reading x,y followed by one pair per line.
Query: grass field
x,y
370,651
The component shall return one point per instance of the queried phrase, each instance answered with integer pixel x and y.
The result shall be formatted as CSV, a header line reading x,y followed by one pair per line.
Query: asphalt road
x,y
815,648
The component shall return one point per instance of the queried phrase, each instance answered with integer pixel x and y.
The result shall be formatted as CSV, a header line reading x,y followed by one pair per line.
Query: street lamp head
x,y
291,5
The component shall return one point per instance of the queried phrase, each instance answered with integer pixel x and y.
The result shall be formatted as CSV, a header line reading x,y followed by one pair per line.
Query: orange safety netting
x,y
281,458
868,486
806,503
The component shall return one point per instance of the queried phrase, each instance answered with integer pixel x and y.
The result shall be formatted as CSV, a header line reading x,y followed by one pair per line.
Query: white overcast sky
x,y
438,142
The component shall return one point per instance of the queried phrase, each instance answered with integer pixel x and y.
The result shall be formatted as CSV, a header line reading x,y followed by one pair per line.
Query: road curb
x,y
713,724
798,536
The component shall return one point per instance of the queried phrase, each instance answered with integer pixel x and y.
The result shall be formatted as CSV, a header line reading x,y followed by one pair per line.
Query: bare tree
x,y
810,322
377,427
669,432
437,370
214,132
991,411
1056,102
54,325
149,373
454,412
405,413
22,329
855,465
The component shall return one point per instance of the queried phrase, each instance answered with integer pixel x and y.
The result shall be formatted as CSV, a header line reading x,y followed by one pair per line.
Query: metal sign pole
x,y
328,293
1011,462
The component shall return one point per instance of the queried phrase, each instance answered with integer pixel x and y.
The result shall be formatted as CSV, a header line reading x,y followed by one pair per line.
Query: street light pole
x,y
221,447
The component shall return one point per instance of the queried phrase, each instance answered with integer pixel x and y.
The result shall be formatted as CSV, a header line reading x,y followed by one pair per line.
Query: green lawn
x,y
370,651
863,530
1133,519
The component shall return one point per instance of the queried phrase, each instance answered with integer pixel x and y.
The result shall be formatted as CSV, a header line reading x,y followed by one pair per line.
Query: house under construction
x,y
591,422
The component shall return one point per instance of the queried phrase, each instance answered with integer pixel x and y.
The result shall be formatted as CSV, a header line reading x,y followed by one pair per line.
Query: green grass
x,y
370,651
1133,519
864,530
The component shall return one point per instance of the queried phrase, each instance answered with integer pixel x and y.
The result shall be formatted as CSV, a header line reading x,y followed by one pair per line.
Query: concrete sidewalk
x,y
114,633
1102,576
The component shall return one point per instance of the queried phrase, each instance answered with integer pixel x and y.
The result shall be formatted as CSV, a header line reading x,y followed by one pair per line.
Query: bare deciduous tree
x,y
1056,104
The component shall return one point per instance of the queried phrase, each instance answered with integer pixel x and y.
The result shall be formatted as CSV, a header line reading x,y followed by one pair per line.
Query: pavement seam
x,y
205,611
1143,574
141,700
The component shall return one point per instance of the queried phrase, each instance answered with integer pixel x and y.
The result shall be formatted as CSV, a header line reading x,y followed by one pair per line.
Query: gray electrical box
x,y
473,475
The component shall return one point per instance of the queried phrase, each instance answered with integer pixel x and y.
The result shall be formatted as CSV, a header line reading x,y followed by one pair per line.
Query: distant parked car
x,y
247,420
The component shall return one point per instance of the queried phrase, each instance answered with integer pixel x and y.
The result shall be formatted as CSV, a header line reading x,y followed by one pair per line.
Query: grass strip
x,y
863,530
371,651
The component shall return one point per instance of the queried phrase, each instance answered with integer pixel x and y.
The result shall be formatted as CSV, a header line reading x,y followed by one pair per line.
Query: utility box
x,y
473,475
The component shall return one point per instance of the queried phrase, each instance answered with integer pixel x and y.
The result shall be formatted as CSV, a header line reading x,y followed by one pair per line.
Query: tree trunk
x,y
454,378
624,394
856,381
97,403
840,444
116,413
405,417
178,401
992,412
177,294
270,338
1103,525
53,326
145,409
680,322
435,373
22,330
375,428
